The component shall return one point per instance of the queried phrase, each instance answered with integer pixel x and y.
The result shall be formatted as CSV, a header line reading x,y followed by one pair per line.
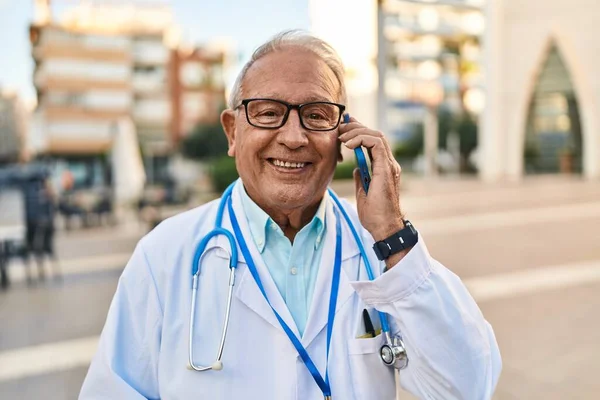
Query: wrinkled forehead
x,y
293,75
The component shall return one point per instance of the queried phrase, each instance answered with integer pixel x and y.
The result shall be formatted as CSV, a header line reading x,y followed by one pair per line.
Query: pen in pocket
x,y
369,329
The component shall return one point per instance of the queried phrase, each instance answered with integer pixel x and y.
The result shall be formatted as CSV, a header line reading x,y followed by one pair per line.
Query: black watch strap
x,y
403,239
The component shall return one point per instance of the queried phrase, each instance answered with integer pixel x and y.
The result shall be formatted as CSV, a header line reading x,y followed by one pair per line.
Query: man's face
x,y
294,76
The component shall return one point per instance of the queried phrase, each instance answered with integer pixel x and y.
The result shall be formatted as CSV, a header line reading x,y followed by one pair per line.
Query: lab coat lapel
x,y
247,290
319,309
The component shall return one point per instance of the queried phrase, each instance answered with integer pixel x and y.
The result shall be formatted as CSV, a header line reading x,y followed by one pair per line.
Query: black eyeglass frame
x,y
291,107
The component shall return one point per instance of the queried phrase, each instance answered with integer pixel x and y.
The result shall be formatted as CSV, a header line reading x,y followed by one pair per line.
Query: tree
x,y
466,126
413,146
206,142
463,124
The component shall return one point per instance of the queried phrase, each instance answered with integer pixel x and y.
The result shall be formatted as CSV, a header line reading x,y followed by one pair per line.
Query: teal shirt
x,y
294,267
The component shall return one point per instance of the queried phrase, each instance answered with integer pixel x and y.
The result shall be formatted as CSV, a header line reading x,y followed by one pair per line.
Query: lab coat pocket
x,y
371,378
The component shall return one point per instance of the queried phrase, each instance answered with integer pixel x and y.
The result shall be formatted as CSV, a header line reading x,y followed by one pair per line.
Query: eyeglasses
x,y
273,114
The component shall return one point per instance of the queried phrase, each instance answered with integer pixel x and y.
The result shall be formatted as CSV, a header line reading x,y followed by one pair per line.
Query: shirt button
x,y
273,226
259,243
294,270
318,239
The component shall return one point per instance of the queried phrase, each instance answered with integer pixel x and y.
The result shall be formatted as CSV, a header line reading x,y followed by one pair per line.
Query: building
x,y
406,62
100,64
107,61
83,87
198,89
431,56
542,109
13,127
404,57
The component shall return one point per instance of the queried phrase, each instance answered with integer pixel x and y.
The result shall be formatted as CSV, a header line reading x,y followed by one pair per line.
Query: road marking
x,y
103,262
501,286
62,356
119,232
448,225
505,219
45,358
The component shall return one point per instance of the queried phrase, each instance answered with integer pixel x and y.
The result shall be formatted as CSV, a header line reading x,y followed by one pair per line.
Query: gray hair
x,y
293,38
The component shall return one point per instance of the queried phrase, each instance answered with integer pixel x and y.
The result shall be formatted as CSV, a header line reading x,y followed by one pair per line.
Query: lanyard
x,y
322,383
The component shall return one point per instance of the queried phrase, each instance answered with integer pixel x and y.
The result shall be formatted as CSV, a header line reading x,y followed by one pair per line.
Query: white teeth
x,y
287,164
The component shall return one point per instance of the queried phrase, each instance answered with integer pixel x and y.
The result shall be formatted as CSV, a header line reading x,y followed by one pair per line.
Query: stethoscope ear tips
x,y
217,365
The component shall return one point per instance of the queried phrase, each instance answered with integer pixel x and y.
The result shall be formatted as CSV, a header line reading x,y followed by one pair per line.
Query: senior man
x,y
305,318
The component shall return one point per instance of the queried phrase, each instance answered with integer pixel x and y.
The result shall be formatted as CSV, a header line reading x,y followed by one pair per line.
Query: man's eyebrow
x,y
316,98
307,99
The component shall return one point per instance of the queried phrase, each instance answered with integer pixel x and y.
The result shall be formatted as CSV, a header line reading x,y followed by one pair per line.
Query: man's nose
x,y
292,134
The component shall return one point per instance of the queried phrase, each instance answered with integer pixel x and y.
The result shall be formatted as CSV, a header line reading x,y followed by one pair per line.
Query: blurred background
x,y
109,123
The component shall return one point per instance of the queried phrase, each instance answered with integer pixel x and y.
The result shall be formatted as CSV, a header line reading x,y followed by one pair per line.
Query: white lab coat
x,y
143,349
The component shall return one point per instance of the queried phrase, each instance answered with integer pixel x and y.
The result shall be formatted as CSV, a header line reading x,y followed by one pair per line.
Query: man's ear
x,y
340,156
228,122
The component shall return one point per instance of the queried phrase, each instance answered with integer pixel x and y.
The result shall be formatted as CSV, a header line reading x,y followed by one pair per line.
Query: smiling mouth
x,y
287,164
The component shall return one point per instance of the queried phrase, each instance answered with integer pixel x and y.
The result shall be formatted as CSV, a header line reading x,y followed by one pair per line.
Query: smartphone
x,y
361,161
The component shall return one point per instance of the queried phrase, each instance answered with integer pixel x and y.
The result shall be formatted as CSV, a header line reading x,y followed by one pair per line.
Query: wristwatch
x,y
401,240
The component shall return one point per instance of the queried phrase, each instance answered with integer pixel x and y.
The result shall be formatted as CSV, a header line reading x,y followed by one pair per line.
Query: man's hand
x,y
379,211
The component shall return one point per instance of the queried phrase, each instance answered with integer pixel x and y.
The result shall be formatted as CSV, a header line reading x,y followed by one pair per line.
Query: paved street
x,y
529,253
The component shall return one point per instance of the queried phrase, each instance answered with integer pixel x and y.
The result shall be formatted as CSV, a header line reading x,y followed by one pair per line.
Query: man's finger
x,y
378,151
352,134
343,128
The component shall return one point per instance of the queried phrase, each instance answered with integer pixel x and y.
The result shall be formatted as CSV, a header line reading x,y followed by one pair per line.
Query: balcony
x,y
55,37
92,100
73,68
146,52
150,82
152,111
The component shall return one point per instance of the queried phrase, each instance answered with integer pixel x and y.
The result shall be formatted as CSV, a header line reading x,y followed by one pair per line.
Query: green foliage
x,y
223,172
466,126
531,151
344,170
446,124
205,142
531,154
463,124
412,147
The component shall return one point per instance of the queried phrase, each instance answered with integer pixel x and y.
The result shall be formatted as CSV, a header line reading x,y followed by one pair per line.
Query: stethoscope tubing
x,y
382,317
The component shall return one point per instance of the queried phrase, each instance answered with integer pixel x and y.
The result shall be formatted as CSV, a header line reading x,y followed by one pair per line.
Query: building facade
x,y
83,85
431,56
198,88
543,94
105,62
13,127
401,54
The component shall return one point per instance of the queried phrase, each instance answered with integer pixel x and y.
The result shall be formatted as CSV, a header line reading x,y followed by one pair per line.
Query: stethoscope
x,y
392,353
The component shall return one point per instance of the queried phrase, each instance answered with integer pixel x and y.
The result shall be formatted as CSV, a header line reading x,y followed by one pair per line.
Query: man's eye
x,y
267,114
315,116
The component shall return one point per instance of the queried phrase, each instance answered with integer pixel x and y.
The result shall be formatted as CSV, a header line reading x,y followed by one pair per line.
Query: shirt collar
x,y
259,221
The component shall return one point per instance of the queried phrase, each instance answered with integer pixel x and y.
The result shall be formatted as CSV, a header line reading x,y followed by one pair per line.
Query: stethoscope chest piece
x,y
393,354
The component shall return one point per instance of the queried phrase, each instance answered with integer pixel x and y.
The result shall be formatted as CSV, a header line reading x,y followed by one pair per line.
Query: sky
x,y
247,22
